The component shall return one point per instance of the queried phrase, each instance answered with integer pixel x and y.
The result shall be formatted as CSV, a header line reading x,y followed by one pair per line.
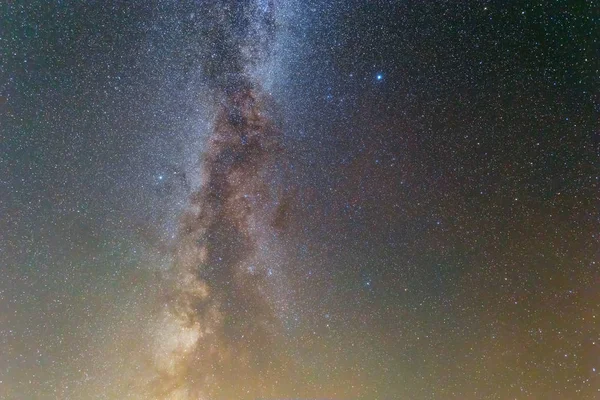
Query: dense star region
x,y
223,325
217,336
285,199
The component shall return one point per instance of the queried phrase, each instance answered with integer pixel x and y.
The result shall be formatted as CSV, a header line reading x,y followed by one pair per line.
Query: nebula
x,y
217,334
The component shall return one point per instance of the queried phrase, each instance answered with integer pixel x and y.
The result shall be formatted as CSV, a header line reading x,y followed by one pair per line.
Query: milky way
x,y
219,326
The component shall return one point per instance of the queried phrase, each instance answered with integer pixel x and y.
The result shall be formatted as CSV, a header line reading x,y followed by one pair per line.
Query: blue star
x,y
379,77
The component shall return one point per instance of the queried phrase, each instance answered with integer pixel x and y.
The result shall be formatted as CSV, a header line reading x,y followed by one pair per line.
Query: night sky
x,y
272,199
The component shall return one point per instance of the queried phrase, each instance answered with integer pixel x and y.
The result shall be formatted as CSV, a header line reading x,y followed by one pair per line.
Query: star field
x,y
299,199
